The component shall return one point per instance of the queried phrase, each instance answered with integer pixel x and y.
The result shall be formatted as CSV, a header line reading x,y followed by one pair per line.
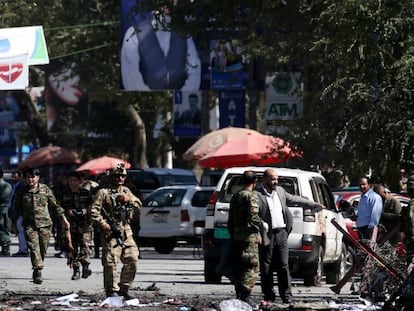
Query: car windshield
x,y
165,197
233,184
167,180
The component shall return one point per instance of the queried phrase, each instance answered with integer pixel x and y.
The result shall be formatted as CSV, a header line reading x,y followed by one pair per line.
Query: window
x,y
200,198
165,197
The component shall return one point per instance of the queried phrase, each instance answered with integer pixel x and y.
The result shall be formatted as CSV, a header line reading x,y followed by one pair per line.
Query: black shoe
x,y
60,255
76,274
21,254
86,272
125,295
37,276
287,299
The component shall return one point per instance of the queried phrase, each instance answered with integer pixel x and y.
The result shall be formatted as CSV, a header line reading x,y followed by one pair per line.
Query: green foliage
x,y
355,56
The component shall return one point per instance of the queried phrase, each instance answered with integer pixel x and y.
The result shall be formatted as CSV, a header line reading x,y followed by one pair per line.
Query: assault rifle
x,y
116,233
360,245
357,262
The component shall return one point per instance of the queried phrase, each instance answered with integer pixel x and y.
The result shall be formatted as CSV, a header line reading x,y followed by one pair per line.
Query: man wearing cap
x,y
116,205
35,202
407,227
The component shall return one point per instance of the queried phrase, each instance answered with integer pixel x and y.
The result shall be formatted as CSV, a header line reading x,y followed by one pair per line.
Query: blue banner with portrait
x,y
187,114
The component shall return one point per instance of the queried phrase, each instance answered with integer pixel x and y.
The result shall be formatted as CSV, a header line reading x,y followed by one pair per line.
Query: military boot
x,y
5,251
76,273
37,276
86,272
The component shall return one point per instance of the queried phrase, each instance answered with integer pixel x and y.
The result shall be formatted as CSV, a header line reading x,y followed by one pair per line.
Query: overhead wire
x,y
106,23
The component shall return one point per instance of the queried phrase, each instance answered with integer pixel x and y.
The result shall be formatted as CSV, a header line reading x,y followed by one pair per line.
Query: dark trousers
x,y
275,257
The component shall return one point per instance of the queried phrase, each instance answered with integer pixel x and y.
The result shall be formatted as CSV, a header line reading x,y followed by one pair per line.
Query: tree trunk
x,y
139,154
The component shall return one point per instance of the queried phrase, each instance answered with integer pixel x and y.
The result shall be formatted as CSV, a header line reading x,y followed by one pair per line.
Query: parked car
x,y
315,245
347,201
174,213
143,181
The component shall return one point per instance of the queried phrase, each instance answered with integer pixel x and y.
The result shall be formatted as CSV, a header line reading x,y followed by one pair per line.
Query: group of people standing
x,y
259,224
82,204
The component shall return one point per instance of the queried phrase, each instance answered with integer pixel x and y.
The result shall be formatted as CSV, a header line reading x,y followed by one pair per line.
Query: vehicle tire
x,y
313,273
164,246
210,275
337,270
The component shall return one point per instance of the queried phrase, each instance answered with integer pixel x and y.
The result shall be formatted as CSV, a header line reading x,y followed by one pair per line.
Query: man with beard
x,y
113,209
273,201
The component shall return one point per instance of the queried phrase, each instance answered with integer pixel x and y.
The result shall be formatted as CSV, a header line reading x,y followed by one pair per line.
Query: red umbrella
x,y
100,165
214,140
254,149
50,155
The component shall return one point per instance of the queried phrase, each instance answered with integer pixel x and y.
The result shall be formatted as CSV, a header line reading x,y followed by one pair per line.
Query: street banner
x,y
152,56
226,66
187,114
24,40
283,96
232,109
14,72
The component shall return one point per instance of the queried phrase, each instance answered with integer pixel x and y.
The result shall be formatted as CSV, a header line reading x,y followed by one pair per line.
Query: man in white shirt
x,y
274,255
155,58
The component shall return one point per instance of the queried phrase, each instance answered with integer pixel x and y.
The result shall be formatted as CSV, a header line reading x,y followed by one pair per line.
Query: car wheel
x,y
339,268
164,246
313,273
210,275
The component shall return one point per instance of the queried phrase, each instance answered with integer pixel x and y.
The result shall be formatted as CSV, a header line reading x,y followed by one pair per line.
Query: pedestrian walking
x,y
18,182
76,201
244,226
407,227
36,202
274,256
113,209
5,195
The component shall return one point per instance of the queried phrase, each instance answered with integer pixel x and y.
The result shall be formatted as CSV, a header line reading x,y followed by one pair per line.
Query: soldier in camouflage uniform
x,y
407,227
35,202
121,206
76,202
244,226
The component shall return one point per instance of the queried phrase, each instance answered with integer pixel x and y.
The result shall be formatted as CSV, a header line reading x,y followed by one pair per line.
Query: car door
x,y
333,236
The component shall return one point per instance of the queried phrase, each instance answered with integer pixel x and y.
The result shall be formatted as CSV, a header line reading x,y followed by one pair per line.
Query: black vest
x,y
158,71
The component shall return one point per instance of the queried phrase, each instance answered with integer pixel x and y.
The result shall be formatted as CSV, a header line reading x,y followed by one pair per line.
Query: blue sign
x,y
187,114
232,109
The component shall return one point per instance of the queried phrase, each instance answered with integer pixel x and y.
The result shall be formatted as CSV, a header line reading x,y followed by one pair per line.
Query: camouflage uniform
x,y
5,195
79,204
112,253
244,226
35,205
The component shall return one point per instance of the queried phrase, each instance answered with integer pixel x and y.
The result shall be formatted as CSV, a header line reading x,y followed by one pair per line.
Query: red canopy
x,y
214,140
100,165
253,149
50,155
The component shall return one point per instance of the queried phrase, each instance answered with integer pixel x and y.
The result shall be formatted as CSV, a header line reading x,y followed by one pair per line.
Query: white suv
x,y
315,245
173,213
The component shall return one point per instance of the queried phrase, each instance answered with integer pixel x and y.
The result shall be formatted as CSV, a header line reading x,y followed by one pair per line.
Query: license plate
x,y
159,218
221,233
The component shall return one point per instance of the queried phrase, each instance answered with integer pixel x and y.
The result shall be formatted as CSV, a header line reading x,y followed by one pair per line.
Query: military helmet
x,y
117,170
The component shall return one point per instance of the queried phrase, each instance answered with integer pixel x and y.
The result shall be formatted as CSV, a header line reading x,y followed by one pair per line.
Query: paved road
x,y
179,274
